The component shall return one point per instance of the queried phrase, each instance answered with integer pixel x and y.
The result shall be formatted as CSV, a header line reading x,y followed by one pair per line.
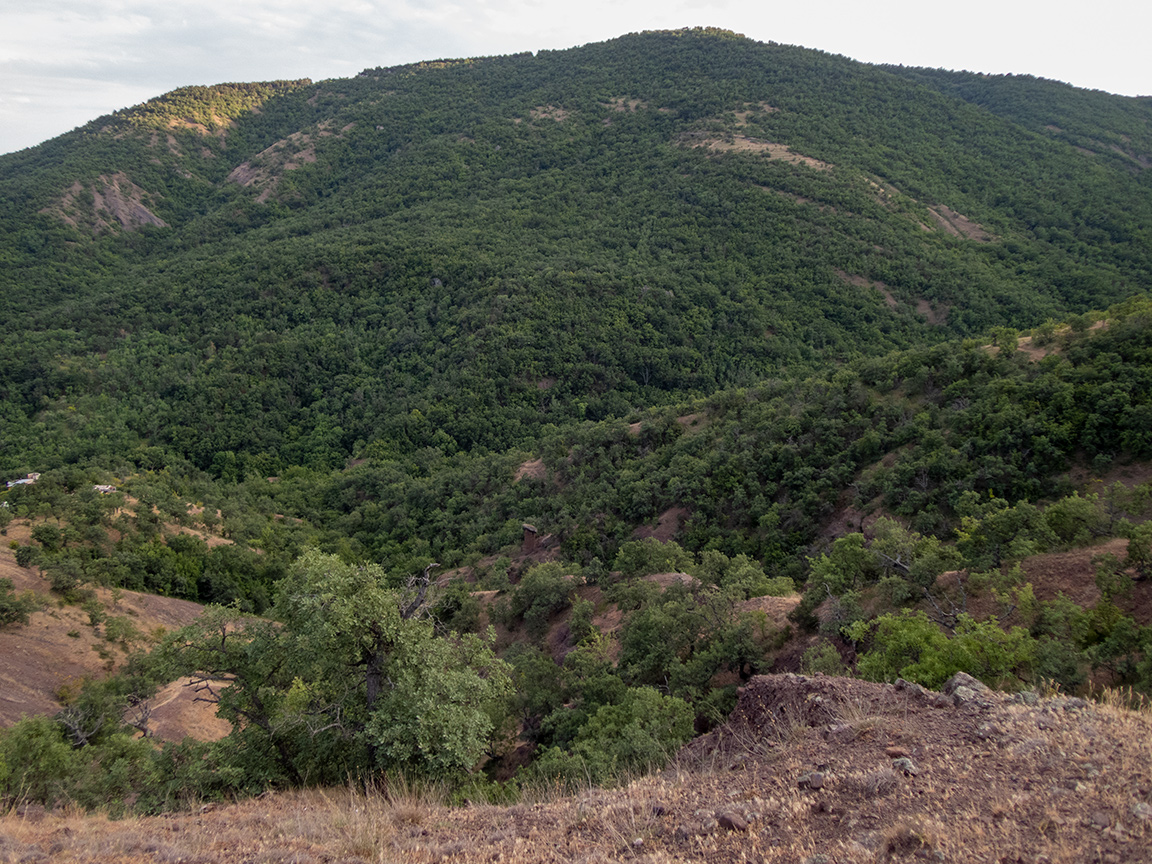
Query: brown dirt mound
x,y
667,580
776,609
1130,474
1074,575
862,282
533,469
934,314
265,170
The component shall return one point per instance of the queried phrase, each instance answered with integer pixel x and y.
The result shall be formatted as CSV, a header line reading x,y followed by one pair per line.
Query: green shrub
x,y
823,658
48,536
740,577
543,591
580,625
1077,521
908,645
41,763
648,556
641,733
15,609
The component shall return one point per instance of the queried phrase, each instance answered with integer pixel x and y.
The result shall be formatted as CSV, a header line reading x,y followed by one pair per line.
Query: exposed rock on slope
x,y
111,202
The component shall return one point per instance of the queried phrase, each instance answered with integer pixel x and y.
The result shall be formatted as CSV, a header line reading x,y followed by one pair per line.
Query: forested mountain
x,y
458,253
819,325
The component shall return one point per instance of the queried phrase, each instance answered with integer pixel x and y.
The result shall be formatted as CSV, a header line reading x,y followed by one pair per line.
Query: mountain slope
x,y
457,254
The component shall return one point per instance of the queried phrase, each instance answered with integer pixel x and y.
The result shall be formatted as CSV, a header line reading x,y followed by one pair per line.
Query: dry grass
x,y
1056,781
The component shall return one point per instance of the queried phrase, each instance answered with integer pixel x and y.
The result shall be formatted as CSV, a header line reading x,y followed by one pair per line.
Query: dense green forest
x,y
765,288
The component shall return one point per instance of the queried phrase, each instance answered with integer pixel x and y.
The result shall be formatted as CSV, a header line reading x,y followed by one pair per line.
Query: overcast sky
x,y
65,62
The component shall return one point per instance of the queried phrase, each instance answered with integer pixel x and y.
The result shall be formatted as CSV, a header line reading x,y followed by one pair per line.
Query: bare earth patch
x,y
934,314
667,526
1069,573
1036,353
775,609
667,580
175,713
742,116
1130,474
549,112
265,170
958,225
219,128
533,469
743,144
40,658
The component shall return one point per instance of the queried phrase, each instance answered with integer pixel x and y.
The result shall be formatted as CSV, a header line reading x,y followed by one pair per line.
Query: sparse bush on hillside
x,y
823,658
543,591
15,608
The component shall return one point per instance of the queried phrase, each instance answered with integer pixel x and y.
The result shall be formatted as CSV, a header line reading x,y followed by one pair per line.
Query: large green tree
x,y
352,678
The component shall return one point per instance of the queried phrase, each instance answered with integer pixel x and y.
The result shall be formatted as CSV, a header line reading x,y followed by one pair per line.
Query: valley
x,y
487,433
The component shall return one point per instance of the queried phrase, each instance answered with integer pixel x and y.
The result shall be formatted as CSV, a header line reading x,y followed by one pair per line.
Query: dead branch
x,y
420,584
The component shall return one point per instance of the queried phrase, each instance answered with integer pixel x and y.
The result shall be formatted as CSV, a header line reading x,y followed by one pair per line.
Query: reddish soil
x,y
667,526
1130,474
667,580
775,609
1074,575
1071,574
692,422
175,714
933,314
117,204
